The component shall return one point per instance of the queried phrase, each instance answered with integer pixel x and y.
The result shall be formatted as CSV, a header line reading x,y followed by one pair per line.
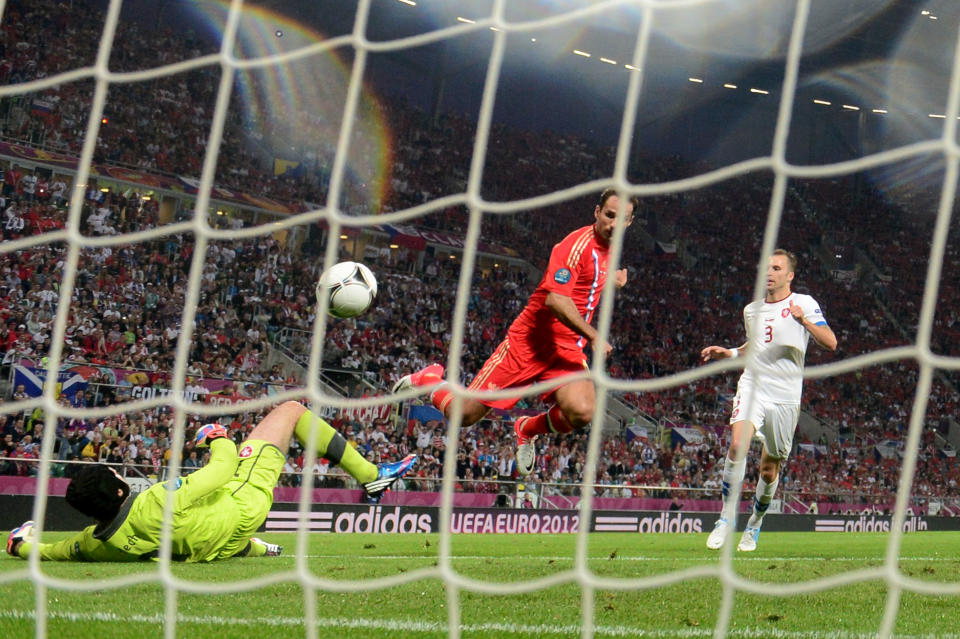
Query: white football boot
x,y
719,534
748,542
526,453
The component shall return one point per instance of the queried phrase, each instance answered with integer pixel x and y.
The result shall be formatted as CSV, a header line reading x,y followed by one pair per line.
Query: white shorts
x,y
775,423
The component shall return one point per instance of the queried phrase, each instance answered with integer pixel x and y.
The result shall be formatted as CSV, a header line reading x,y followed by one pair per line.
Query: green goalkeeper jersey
x,y
205,519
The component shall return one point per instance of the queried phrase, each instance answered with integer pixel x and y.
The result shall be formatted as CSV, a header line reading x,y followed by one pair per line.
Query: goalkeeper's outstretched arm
x,y
218,471
22,539
84,546
78,547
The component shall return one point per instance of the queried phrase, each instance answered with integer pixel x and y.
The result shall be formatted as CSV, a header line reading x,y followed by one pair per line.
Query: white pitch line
x,y
737,557
403,625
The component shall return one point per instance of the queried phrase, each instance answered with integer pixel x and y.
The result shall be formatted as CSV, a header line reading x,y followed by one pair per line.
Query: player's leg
x,y
766,487
573,400
742,428
261,462
292,418
262,456
735,461
734,468
573,410
376,479
252,490
514,363
441,397
779,425
277,427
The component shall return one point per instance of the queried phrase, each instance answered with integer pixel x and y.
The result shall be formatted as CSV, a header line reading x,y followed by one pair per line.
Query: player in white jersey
x,y
767,403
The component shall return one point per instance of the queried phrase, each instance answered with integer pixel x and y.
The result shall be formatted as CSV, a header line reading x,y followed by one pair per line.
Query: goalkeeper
x,y
216,510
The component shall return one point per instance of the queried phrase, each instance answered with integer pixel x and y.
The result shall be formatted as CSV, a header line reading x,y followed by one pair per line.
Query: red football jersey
x,y
577,269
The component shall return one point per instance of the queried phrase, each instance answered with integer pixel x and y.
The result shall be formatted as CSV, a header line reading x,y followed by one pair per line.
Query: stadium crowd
x,y
686,289
407,328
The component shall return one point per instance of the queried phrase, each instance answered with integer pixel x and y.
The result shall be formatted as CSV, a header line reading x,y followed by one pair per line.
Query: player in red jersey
x,y
546,340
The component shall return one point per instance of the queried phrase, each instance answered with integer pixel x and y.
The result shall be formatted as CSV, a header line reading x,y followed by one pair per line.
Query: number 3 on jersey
x,y
768,333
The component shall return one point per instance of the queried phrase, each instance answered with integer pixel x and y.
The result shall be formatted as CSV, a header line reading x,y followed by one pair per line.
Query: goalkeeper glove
x,y
207,433
22,533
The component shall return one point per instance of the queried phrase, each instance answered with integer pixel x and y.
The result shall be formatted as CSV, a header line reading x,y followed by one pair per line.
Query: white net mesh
x,y
775,161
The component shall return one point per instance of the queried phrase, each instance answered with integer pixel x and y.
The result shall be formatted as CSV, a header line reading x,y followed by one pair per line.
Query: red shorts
x,y
517,362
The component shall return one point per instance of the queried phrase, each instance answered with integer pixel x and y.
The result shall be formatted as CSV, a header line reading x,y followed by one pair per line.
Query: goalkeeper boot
x,y
719,534
748,542
387,474
272,550
526,452
432,374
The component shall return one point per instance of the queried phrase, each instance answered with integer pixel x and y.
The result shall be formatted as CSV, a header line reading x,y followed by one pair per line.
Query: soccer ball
x,y
350,287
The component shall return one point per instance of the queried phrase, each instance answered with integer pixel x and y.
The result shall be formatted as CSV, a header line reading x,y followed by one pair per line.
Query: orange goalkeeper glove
x,y
24,532
207,433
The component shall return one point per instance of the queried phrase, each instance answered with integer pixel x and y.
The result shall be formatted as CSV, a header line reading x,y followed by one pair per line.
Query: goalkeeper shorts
x,y
252,488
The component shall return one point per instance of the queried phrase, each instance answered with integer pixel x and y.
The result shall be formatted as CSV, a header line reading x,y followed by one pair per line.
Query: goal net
x,y
234,110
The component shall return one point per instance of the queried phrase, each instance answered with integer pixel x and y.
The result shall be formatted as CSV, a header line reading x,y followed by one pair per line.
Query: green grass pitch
x,y
419,608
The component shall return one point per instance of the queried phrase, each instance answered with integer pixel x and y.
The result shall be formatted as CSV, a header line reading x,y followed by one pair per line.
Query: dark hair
x,y
791,258
94,492
608,193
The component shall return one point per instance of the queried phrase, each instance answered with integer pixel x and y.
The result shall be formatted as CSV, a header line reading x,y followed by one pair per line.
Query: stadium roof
x,y
712,74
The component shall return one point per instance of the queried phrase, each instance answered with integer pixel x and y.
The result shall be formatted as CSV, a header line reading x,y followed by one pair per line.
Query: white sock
x,y
762,499
732,476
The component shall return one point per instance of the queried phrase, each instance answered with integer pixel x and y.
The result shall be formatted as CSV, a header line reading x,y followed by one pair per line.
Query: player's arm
x,y
82,546
820,331
722,352
822,334
78,547
564,308
620,278
218,471
562,272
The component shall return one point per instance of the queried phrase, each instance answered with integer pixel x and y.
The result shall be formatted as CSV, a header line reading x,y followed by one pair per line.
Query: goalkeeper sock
x,y
732,476
552,421
761,501
333,446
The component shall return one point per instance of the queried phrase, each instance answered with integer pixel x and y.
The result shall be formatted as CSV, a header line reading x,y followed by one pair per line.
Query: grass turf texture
x,y
419,608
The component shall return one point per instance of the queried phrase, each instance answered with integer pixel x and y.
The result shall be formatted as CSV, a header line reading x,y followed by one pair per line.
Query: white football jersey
x,y
780,343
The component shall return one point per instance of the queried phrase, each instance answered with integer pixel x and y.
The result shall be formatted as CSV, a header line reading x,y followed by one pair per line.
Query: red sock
x,y
552,421
441,399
